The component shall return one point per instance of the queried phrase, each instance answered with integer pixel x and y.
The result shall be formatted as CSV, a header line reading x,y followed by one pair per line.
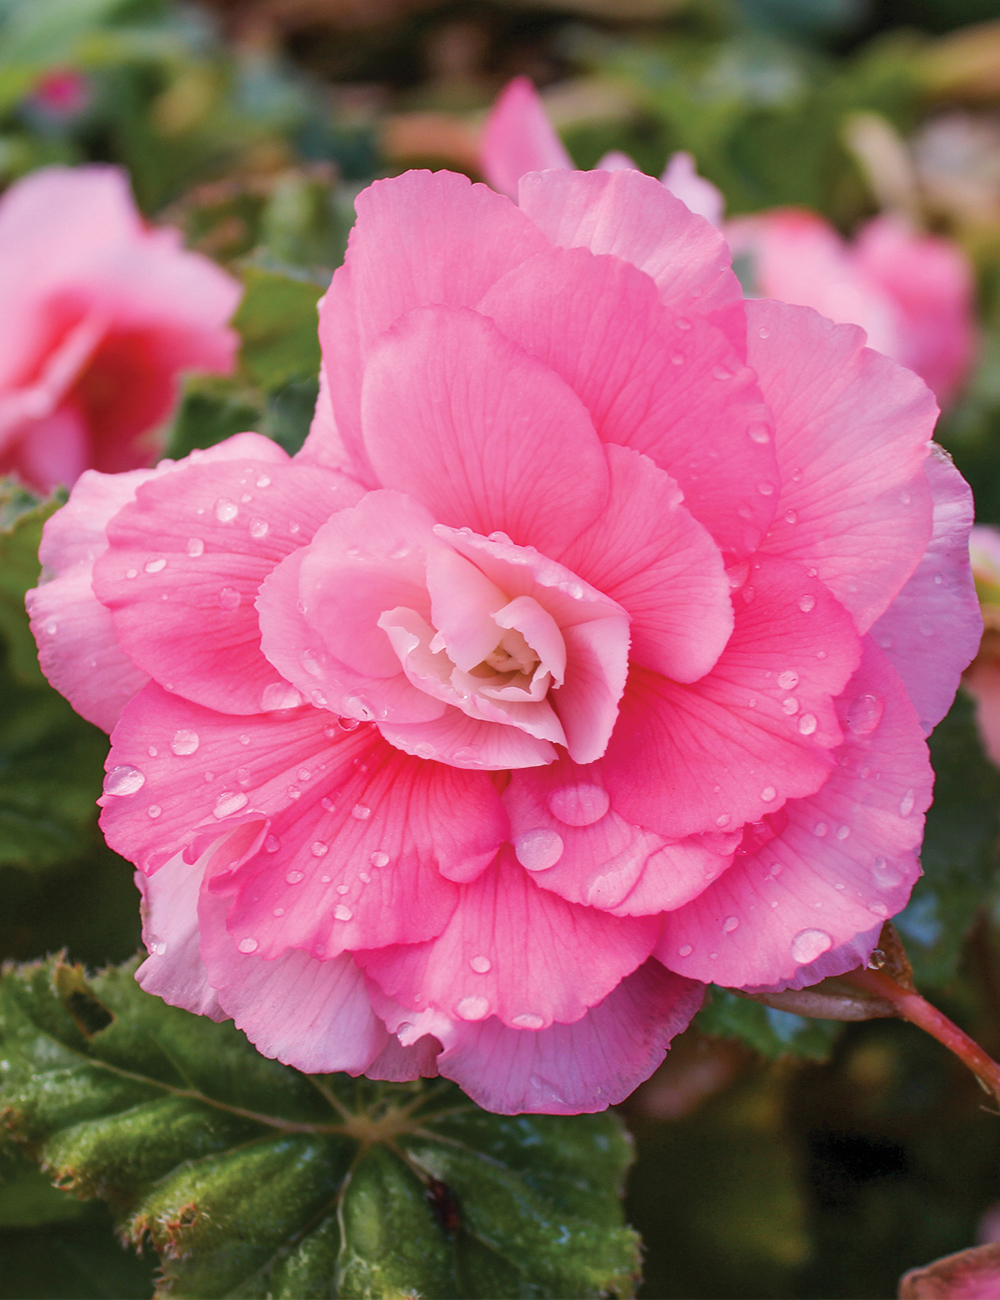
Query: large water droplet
x,y
886,874
185,742
342,912
788,680
538,850
272,844
473,1007
226,510
229,599
790,706
229,802
361,812
480,965
759,433
154,810
379,859
768,794
124,780
807,604
810,944
528,1020
279,695
319,848
807,724
730,924
195,547
865,713
155,565
248,945
579,805
685,950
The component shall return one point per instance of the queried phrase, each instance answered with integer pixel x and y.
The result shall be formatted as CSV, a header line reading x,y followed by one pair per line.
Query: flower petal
x,y
518,137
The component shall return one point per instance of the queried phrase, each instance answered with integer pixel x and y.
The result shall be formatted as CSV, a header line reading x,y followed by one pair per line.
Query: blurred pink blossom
x,y
912,293
101,316
972,1274
583,655
62,93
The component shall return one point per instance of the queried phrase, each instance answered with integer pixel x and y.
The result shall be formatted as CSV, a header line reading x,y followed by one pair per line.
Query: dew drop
x,y
885,874
721,372
272,844
379,858
865,713
763,332
156,945
473,1007
195,547
759,433
843,832
480,964
131,573
790,706
185,742
342,912
244,740
677,359
364,877
723,819
906,804
579,805
775,869
258,527
766,489
878,909
279,695
791,517
155,565
278,911
538,850
877,959
768,793
348,724
810,944
225,510
124,780
229,598
807,724
788,680
361,812
318,848
820,829
263,481
424,749
685,950
528,1021
229,802
154,810
682,323
807,604
730,924
293,877
248,945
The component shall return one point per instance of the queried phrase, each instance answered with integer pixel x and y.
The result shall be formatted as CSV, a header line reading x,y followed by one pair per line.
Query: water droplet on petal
x,y
229,802
348,724
272,844
865,713
154,810
185,742
685,950
293,877
730,924
538,850
248,945
723,819
124,780
480,964
820,829
759,433
424,749
229,598
766,489
263,481
342,912
318,848
885,874
878,909
768,793
763,332
155,565
528,1021
361,812
807,724
790,706
807,604
258,527
810,944
226,510
788,680
278,911
791,517
472,1008
156,945
906,804
682,323
579,805
379,859
843,832
279,695
131,573
195,547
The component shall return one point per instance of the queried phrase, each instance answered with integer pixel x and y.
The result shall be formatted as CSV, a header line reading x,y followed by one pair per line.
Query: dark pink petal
x,y
844,861
752,733
932,629
419,238
561,820
673,388
312,1014
185,563
298,652
518,137
485,436
851,431
633,217
514,951
648,554
579,1068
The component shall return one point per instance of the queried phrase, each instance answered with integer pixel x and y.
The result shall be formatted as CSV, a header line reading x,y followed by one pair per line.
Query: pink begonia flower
x,y
583,655
912,293
101,316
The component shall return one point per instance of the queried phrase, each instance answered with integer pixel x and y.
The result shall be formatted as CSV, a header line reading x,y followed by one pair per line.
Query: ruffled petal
x,y
486,437
757,730
845,859
852,431
515,951
518,137
931,631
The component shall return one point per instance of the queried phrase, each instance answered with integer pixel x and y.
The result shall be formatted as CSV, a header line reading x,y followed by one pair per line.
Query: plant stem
x,y
911,1006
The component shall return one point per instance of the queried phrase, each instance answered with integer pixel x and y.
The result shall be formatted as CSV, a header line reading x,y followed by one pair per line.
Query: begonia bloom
x,y
102,314
912,293
583,655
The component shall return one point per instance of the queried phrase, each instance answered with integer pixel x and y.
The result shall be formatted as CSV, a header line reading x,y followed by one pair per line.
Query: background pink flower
x,y
101,316
912,293
583,655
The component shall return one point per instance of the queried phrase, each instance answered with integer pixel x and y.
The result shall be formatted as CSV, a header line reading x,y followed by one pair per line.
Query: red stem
x,y
911,1006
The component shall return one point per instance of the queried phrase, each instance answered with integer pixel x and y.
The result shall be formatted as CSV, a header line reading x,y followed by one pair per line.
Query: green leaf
x,y
22,516
251,1179
81,1260
211,410
771,1032
277,322
959,855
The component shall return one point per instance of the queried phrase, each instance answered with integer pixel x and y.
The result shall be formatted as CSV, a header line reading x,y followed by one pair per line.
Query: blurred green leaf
x,y
211,410
22,515
959,854
771,1032
81,1260
252,1179
41,35
277,323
